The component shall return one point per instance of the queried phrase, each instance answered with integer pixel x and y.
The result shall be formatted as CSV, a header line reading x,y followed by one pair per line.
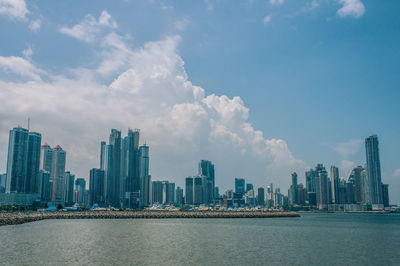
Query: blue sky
x,y
314,77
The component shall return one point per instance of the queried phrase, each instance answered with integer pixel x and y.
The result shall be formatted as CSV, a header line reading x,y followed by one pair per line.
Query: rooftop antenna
x,y
29,123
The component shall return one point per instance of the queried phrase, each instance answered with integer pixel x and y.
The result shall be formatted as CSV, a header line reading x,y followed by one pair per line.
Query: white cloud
x,y
348,148
150,91
14,9
267,19
276,2
21,67
351,8
90,27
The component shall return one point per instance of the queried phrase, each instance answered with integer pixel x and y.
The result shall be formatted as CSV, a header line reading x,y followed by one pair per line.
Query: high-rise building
x,y
3,178
207,170
335,184
198,192
179,196
373,170
69,188
261,196
96,187
239,185
113,169
358,181
189,191
58,174
46,157
23,162
134,182
80,186
103,153
322,187
144,177
46,188
293,190
157,192
311,187
385,195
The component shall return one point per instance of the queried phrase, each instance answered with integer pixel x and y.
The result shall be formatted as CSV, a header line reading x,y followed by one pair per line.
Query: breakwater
x,y
9,218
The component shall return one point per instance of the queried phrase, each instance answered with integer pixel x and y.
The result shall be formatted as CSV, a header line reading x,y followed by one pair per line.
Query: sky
x,y
262,88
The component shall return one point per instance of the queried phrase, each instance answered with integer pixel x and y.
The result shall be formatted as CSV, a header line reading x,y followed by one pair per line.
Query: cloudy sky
x,y
260,87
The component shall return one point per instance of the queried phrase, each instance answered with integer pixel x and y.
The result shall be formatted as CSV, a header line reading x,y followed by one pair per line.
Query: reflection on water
x,y
317,239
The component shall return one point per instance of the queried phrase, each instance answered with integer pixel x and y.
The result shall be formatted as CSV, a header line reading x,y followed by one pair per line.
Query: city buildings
x,y
36,173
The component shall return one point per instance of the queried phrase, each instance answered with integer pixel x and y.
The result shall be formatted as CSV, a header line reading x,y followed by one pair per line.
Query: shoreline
x,y
11,218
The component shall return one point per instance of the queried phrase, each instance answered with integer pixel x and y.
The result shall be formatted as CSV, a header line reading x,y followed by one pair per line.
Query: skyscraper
x,y
198,190
358,180
385,195
261,196
373,170
144,177
46,187
80,187
156,192
207,170
113,169
322,187
46,157
189,191
103,153
96,187
23,161
179,196
293,190
58,174
335,184
239,185
69,188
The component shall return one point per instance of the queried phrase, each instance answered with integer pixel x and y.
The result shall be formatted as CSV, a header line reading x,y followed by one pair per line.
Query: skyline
x,y
124,176
305,106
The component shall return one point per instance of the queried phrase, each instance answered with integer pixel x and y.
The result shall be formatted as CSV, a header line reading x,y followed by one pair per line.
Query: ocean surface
x,y
312,239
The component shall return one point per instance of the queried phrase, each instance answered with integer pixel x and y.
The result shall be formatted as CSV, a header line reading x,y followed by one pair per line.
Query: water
x,y
313,239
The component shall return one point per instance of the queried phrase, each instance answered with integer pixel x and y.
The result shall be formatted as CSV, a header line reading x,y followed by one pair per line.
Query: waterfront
x,y
9,218
312,239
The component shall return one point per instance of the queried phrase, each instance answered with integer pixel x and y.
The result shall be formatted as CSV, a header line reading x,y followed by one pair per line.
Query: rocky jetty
x,y
9,218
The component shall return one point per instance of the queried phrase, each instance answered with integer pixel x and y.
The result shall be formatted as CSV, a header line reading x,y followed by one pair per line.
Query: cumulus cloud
x,y
276,2
267,19
150,90
89,28
16,9
348,148
351,8
21,67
